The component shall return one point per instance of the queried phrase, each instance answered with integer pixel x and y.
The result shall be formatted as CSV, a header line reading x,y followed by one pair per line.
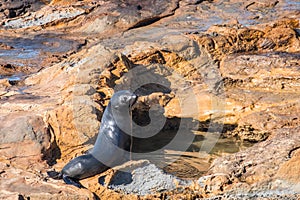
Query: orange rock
x,y
290,170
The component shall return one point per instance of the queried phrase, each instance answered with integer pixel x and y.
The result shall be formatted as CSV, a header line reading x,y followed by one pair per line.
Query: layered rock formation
x,y
232,67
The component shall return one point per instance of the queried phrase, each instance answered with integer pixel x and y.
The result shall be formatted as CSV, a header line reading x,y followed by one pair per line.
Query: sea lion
x,y
112,146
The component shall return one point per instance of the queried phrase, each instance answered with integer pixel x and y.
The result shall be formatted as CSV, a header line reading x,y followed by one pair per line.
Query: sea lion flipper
x,y
69,180
54,174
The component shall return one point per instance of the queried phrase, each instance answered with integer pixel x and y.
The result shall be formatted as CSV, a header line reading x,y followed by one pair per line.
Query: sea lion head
x,y
123,99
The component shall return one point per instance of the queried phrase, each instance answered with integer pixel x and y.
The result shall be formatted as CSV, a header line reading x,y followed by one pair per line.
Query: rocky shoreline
x,y
237,62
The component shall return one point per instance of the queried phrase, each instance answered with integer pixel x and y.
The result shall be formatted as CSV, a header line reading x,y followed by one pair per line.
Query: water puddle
x,y
194,163
191,163
32,48
25,55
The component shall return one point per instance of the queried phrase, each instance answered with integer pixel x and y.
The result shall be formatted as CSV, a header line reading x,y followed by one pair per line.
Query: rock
x,y
289,170
274,109
24,137
16,183
214,184
10,13
143,178
13,8
237,65
270,69
135,172
38,19
273,153
4,82
23,128
222,40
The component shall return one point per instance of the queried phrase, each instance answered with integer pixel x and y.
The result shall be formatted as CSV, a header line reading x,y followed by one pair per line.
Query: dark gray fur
x,y
112,146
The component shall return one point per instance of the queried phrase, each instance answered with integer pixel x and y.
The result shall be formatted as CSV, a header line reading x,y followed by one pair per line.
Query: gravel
x,y
143,179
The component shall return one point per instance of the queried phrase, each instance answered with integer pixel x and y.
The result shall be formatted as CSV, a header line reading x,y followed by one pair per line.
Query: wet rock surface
x,y
13,8
229,70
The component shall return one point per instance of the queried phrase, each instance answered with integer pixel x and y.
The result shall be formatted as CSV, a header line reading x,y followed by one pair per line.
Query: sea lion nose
x,y
134,96
133,99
